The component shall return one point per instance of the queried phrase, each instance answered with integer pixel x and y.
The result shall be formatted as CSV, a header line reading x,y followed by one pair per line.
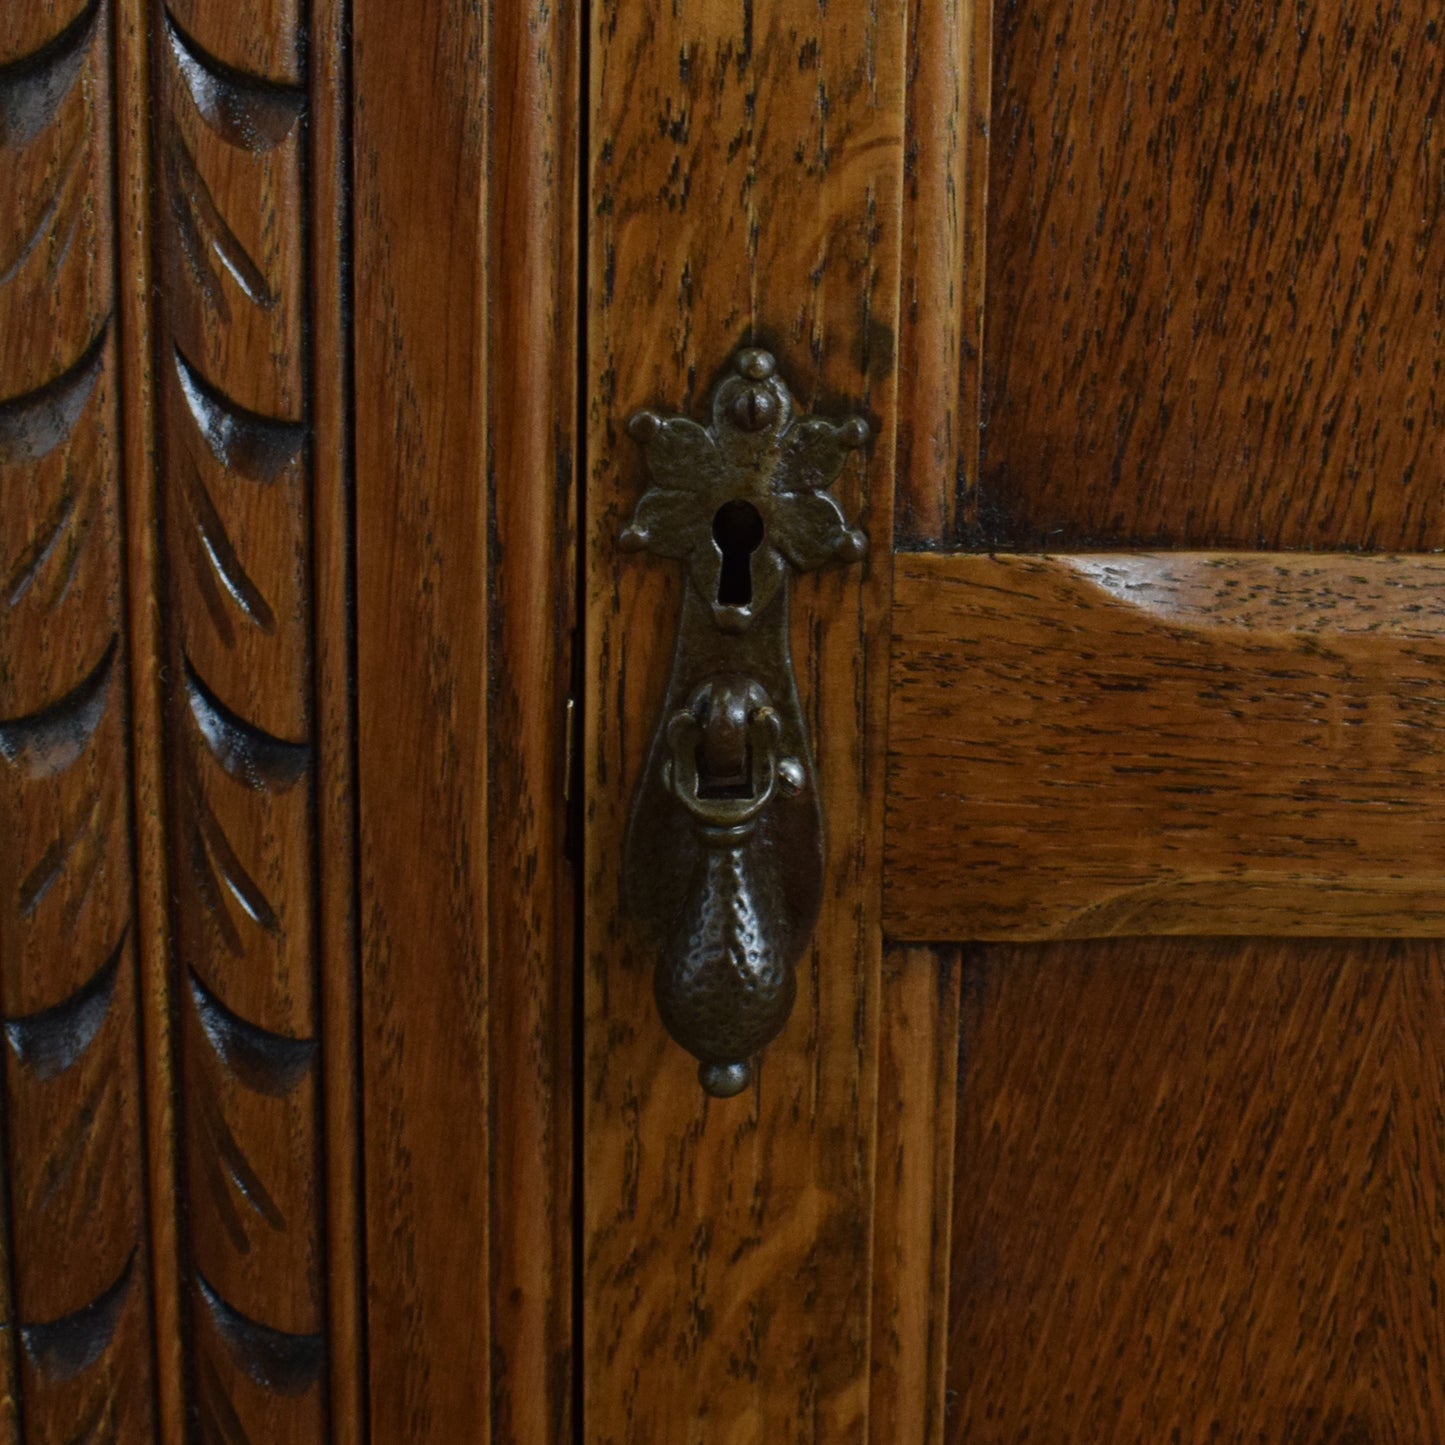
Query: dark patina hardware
x,y
724,854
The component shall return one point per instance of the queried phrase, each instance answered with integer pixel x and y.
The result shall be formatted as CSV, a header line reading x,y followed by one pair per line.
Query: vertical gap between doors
x,y
581,464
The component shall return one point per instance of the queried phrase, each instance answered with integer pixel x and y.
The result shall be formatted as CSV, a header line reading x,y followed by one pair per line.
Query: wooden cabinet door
x,y
335,1104
1111,1104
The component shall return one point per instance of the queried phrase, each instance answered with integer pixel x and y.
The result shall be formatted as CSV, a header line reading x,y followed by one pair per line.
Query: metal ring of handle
x,y
685,736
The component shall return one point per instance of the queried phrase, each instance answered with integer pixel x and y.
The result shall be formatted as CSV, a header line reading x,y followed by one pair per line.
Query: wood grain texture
x,y
913,1199
422,374
1199,1193
746,175
1216,276
532,217
241,511
1172,743
77,1323
466,155
147,635
940,350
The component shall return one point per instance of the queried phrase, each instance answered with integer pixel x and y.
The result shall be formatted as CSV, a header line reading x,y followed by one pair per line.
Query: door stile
x,y
746,189
532,408
465,328
941,314
421,378
941,322
912,1240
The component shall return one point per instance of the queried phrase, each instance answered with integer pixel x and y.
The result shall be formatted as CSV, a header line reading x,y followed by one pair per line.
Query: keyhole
x,y
738,531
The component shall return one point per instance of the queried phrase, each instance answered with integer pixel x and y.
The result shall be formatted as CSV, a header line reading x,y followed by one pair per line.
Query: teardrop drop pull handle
x,y
724,854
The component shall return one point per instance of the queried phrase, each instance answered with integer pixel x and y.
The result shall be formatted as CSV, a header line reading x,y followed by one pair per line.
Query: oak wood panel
x,y
1199,1193
1171,743
422,375
240,510
746,168
77,1356
912,1254
1216,276
466,160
